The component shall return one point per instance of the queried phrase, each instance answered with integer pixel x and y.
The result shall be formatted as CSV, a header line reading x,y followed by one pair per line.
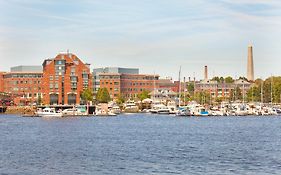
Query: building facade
x,y
2,81
219,90
64,79
127,85
24,87
110,70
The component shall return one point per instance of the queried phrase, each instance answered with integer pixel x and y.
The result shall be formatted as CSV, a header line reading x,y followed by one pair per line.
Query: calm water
x,y
140,144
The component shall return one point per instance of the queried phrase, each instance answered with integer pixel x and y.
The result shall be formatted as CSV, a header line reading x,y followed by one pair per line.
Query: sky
x,y
156,36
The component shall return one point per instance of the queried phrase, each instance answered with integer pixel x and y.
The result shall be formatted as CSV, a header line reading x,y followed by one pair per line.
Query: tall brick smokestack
x,y
206,73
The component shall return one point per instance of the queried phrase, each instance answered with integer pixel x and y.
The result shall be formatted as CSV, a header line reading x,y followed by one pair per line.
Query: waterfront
x,y
140,144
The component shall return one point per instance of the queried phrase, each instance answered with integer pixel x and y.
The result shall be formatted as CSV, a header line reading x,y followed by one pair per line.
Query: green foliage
x,y
202,97
218,79
236,94
143,95
120,100
228,79
190,88
103,95
39,100
270,85
87,95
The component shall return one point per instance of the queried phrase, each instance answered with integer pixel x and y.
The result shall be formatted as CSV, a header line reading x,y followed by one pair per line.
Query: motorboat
x,y
75,111
131,107
160,109
183,112
48,112
115,110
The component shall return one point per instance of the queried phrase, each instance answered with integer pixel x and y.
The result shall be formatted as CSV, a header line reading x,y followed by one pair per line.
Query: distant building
x,y
221,89
27,69
169,84
64,78
162,94
110,70
127,85
24,87
2,81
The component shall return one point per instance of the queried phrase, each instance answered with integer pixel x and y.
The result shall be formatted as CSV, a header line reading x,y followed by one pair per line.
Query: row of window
x,y
24,82
23,76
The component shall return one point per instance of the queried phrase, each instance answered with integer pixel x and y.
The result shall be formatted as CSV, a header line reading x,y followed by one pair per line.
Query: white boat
x,y
75,111
160,109
184,112
115,110
48,112
131,107
241,110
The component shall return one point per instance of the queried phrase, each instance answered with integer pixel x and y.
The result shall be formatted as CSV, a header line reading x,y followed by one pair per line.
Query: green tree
x,y
87,95
143,95
120,100
202,97
103,95
236,94
39,100
229,79
190,88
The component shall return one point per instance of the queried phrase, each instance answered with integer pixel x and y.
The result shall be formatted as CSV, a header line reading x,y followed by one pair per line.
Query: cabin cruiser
x,y
182,111
160,109
48,112
131,107
172,107
115,110
75,111
241,110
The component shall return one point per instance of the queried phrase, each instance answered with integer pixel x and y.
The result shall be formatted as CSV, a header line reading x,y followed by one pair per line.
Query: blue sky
x,y
155,36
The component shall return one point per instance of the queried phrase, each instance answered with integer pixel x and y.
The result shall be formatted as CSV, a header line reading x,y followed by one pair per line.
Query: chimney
x,y
250,65
206,73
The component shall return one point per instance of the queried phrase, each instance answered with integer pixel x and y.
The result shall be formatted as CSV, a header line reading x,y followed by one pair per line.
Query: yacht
x,y
48,112
131,107
183,112
160,109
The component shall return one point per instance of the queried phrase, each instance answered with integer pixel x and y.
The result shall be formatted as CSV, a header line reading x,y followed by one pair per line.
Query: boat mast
x,y
262,92
184,90
271,88
180,87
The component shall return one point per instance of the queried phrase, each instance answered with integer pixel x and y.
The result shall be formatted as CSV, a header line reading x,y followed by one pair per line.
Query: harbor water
x,y
140,144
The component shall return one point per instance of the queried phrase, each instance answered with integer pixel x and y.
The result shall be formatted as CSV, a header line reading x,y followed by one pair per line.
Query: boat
x,y
131,107
184,112
75,111
160,109
115,110
48,112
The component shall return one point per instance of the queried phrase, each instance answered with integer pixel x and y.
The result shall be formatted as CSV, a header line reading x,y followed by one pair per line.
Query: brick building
x,y
64,78
221,89
2,81
24,84
127,85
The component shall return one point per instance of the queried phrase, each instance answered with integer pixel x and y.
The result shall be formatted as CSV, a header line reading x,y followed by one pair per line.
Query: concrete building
x,y
64,78
250,64
21,68
110,70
